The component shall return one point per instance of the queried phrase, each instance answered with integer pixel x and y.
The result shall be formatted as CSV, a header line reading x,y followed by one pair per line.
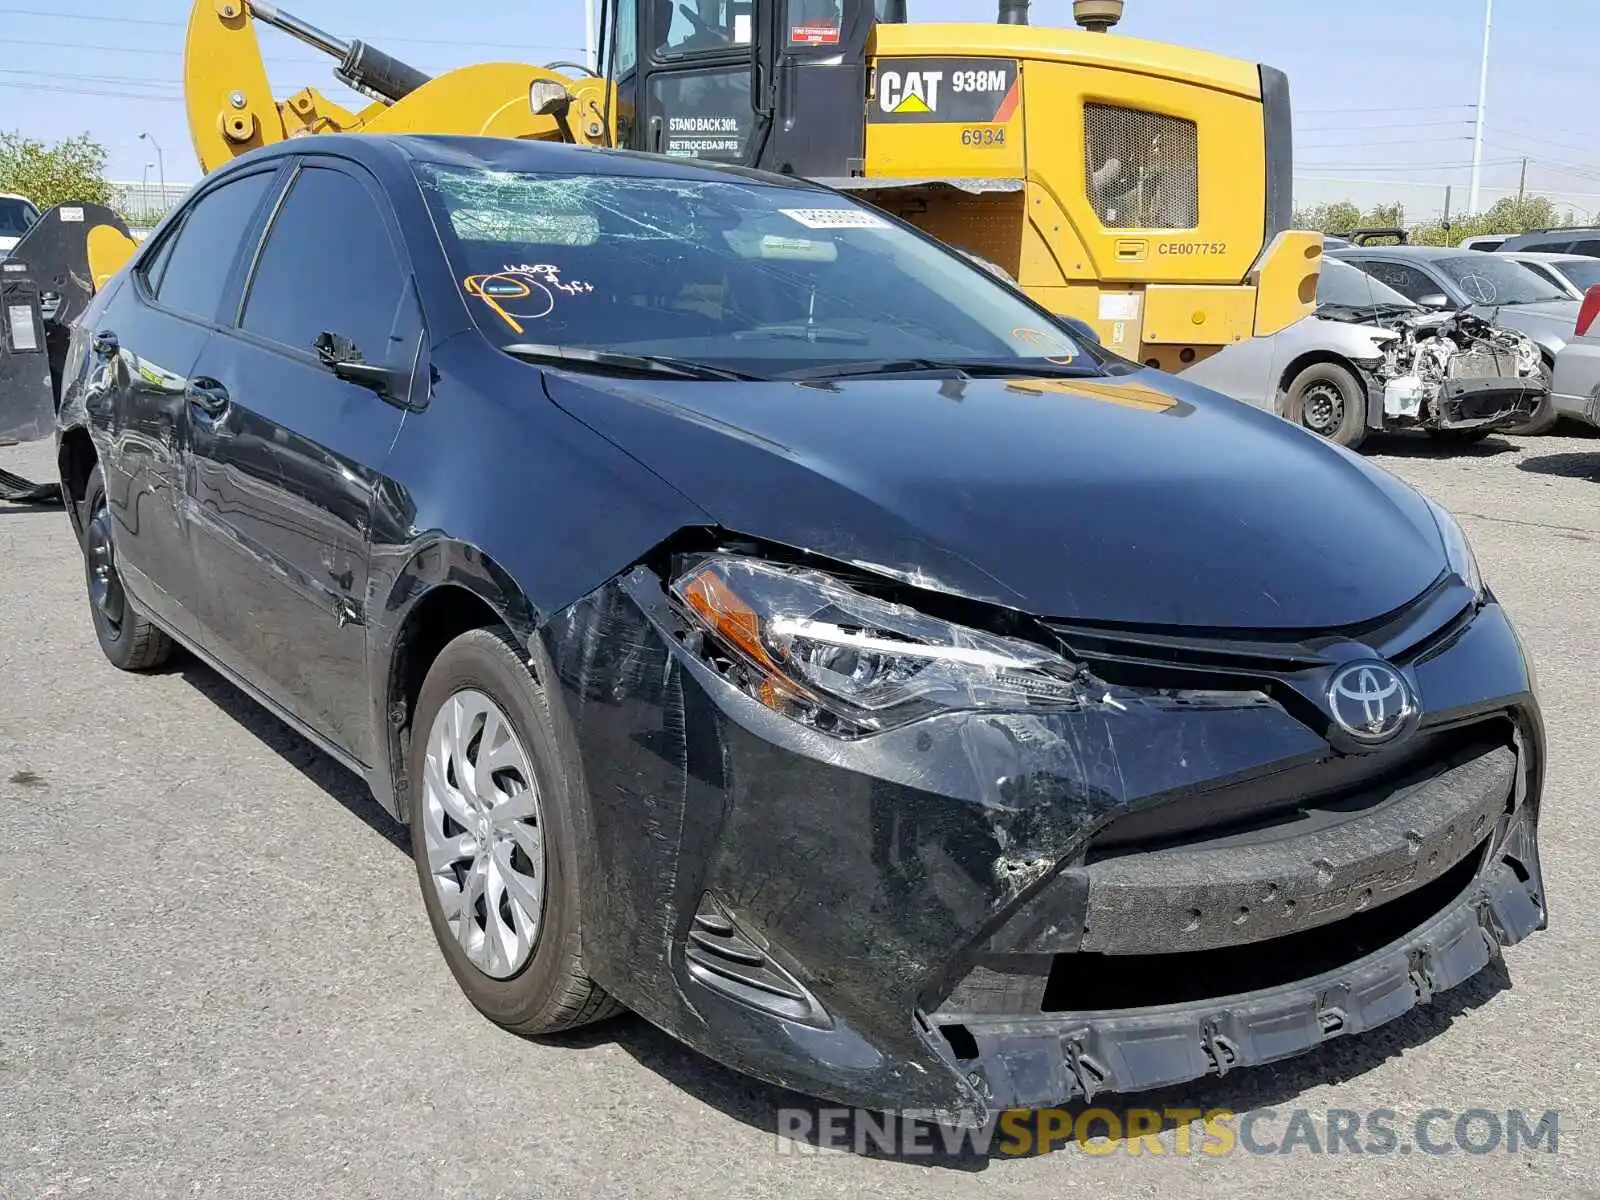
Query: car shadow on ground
x,y
1420,445
758,1105
1582,465
333,778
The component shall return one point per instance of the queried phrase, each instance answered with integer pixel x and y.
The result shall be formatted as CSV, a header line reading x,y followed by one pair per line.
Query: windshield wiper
x,y
800,333
956,368
651,364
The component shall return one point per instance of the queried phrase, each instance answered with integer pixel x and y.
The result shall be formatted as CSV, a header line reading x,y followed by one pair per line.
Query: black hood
x,y
1139,499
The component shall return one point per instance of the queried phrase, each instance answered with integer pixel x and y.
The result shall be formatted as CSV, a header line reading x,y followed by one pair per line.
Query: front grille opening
x,y
1298,798
1098,982
1141,168
962,1043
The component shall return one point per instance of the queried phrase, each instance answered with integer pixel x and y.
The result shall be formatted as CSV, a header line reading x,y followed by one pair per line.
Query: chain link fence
x,y
143,204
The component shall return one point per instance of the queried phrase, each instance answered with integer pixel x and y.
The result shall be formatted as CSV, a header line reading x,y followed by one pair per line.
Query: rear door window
x,y
328,266
189,272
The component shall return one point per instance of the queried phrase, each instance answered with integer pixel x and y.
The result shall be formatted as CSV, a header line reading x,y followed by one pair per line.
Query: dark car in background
x,y
1577,239
1500,290
766,619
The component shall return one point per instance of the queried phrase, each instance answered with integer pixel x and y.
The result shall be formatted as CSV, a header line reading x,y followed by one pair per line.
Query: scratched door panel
x,y
286,466
280,498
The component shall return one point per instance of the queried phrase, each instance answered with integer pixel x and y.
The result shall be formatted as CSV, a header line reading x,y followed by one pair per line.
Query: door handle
x,y
209,396
105,343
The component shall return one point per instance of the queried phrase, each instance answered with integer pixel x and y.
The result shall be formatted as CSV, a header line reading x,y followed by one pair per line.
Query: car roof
x,y
16,196
1420,253
1545,256
511,154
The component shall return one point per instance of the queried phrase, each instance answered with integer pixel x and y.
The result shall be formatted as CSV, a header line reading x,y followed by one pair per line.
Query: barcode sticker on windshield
x,y
835,218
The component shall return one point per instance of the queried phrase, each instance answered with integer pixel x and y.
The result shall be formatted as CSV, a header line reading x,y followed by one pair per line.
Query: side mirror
x,y
340,355
550,98
1435,300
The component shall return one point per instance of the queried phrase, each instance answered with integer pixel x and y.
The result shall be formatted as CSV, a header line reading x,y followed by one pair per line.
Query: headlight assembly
x,y
1458,551
824,654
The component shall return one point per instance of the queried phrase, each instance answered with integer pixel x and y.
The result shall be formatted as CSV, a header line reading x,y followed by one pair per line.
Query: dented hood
x,y
1137,499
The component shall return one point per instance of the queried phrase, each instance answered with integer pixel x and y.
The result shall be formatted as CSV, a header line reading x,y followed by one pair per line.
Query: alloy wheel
x,y
483,831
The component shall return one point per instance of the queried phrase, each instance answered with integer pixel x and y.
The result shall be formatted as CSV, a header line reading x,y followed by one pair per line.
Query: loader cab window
x,y
702,114
815,22
627,37
702,26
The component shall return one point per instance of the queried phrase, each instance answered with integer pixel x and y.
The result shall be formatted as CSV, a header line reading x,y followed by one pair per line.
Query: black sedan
x,y
767,620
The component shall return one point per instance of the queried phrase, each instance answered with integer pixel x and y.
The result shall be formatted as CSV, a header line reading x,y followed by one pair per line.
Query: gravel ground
x,y
216,978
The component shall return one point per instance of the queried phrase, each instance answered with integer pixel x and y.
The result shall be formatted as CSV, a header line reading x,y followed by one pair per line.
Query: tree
x,y
71,170
1339,217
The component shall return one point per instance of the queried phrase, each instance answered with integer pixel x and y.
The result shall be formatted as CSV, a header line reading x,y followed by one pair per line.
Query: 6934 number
x,y
986,135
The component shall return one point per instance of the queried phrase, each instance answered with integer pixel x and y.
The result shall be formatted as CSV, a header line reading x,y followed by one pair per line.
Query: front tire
x,y
1329,400
495,842
126,636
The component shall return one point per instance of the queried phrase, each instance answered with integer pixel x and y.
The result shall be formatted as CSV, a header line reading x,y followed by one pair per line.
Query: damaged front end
x,y
915,853
1456,371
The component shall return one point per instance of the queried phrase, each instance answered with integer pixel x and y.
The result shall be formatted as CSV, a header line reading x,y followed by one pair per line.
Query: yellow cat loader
x,y
1140,187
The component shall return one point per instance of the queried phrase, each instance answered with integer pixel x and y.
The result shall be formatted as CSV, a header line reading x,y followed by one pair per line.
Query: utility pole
x,y
1522,181
161,163
1483,100
590,50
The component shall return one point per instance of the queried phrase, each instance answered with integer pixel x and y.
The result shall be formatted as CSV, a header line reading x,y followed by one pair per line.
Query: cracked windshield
x,y
759,280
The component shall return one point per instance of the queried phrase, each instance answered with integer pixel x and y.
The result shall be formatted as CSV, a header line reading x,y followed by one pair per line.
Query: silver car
x,y
1574,274
1370,359
1577,373
1491,286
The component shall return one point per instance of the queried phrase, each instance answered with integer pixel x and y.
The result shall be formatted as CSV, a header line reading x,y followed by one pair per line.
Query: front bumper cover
x,y
1063,1057
1487,403
862,882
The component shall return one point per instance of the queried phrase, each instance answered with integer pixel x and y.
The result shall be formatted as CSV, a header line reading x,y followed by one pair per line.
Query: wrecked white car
x,y
1369,359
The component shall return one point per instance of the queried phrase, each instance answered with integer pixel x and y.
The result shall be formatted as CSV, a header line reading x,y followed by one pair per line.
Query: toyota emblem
x,y
1371,702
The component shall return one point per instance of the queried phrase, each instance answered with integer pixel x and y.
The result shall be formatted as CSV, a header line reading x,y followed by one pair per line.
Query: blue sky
x,y
1382,90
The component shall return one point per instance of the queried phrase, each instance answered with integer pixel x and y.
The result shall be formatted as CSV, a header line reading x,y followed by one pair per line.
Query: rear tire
x,y
1329,400
495,840
126,636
